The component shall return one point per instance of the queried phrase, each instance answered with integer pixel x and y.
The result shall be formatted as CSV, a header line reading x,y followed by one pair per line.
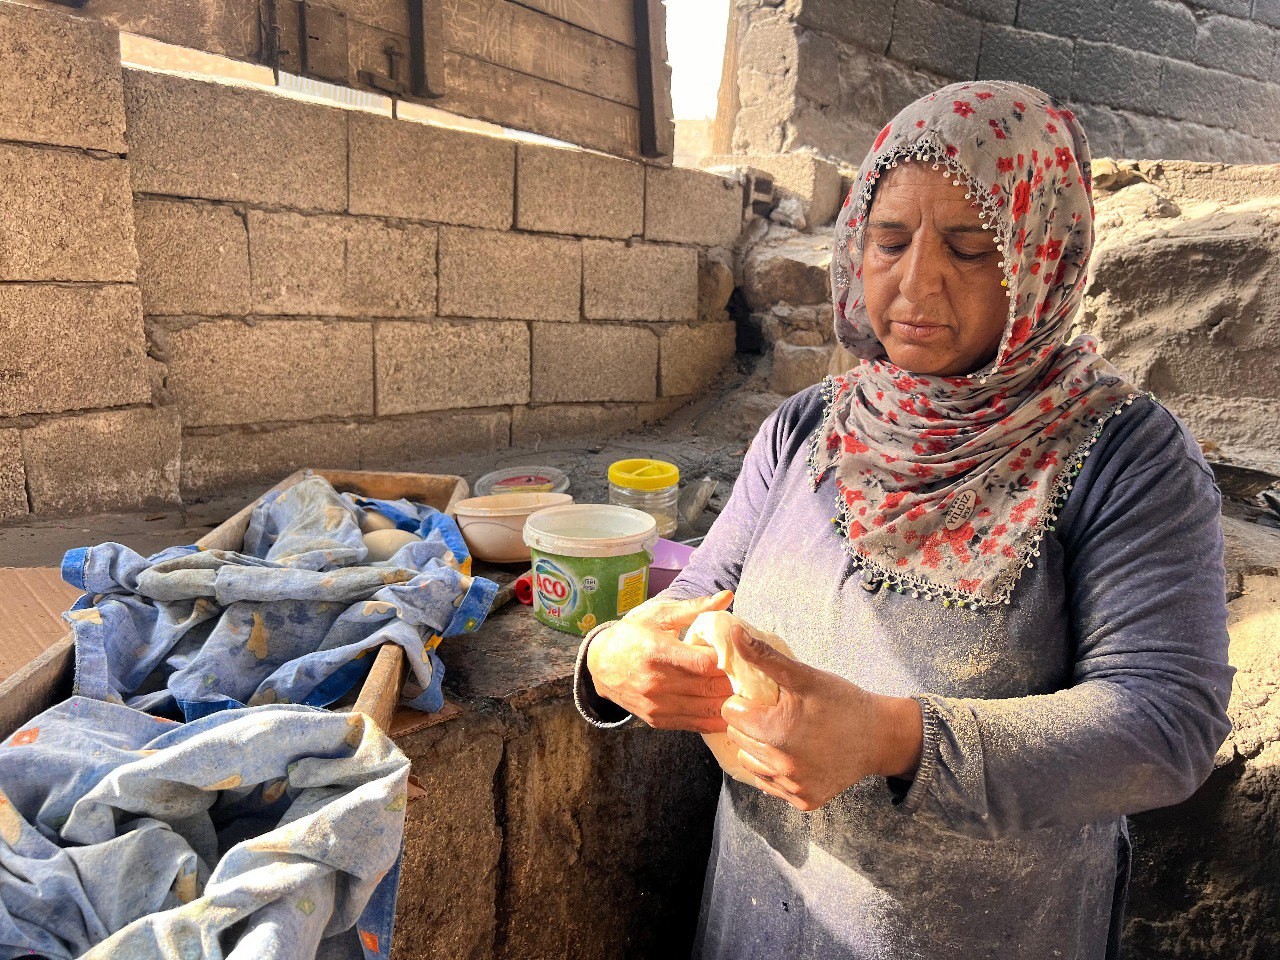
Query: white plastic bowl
x,y
493,526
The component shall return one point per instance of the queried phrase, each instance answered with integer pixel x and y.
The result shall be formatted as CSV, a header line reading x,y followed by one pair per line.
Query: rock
x,y
810,179
795,368
715,283
1207,884
791,266
1184,296
1139,202
790,212
1251,551
809,326
841,361
1114,174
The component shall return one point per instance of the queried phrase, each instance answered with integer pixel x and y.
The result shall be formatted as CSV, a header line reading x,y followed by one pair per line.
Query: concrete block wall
x,y
1155,79
254,282
78,428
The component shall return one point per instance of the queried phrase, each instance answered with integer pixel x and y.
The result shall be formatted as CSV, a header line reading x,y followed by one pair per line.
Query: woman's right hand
x,y
642,665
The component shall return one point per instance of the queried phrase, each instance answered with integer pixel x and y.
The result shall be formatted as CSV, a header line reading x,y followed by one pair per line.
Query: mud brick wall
x,y
1158,79
208,284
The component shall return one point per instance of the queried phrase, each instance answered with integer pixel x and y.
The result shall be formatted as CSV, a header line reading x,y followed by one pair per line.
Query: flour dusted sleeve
x,y
717,564
1146,709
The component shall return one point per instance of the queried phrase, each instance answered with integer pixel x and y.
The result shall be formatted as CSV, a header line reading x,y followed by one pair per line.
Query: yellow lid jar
x,y
649,485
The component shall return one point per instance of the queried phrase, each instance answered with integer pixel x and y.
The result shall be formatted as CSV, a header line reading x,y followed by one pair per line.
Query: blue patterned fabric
x,y
266,832
290,619
261,827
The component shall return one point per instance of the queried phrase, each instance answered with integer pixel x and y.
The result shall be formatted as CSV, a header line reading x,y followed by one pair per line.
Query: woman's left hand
x,y
823,735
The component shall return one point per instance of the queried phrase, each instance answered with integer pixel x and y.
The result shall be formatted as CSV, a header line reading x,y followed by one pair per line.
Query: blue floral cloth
x,y
292,618
273,832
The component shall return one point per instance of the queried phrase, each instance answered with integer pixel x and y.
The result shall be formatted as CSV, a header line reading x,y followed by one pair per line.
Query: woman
x,y
998,566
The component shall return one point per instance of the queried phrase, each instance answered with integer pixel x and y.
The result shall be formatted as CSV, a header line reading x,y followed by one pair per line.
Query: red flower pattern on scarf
x,y
977,460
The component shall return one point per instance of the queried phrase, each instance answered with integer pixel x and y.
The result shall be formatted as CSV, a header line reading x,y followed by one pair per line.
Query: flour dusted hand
x,y
715,629
801,734
640,664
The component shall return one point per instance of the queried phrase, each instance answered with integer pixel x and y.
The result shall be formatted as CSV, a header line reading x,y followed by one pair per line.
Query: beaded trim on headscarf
x,y
1044,523
1038,396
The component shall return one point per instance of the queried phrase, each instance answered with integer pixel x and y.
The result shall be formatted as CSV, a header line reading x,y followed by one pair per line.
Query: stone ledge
x,y
574,362
419,171
218,460
13,476
509,276
447,365
690,357
342,266
194,258
576,192
71,348
691,206
638,281
223,372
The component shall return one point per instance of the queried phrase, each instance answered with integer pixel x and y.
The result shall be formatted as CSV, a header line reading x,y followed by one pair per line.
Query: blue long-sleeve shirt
x,y
1099,691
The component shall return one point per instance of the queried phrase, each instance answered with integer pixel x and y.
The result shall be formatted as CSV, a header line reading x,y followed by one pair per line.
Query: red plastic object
x,y
524,589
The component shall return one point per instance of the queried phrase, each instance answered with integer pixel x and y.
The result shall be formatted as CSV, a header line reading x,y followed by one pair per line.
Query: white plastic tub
x,y
493,526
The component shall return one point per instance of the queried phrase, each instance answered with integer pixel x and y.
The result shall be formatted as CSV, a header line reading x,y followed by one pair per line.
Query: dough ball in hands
x,y
713,630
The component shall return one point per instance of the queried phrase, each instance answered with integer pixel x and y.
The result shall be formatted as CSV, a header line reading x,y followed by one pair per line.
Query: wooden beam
x,y
426,49
226,27
517,38
657,128
559,68
477,89
608,18
389,15
380,694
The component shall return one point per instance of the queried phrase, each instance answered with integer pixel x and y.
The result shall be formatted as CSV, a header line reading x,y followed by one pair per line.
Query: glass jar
x,y
649,485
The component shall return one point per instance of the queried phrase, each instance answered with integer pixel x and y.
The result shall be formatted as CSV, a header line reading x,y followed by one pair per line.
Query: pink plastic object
x,y
669,558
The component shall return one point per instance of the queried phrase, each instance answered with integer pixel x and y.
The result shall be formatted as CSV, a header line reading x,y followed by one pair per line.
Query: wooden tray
x,y
47,679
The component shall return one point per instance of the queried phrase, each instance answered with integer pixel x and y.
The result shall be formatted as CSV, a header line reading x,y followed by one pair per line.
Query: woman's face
x,y
931,274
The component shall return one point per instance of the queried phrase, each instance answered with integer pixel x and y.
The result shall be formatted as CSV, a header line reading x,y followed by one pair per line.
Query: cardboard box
x,y
32,600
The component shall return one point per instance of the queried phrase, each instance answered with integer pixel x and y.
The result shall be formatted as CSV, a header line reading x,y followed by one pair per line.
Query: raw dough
x,y
712,630
373,520
383,544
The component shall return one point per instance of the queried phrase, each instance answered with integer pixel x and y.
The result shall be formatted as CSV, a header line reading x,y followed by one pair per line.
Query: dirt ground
x,y
706,439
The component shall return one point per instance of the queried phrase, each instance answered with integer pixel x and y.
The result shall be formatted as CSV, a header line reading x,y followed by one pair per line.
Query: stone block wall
x,y
76,378
1149,78
1184,296
206,284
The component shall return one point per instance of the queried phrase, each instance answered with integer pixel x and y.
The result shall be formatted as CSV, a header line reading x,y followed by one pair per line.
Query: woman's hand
x,y
642,665
824,734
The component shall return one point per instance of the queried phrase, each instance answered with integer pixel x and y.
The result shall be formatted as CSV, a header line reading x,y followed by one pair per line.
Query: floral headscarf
x,y
946,484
